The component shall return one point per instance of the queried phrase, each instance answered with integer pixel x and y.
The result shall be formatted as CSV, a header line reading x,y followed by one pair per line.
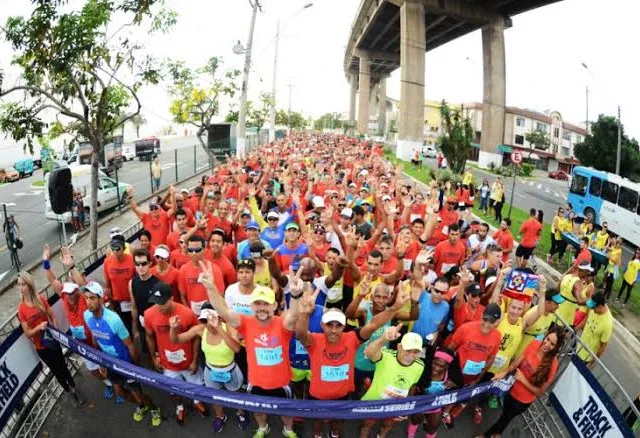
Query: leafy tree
x,y
258,116
538,140
71,67
137,121
196,93
455,140
329,121
599,149
293,119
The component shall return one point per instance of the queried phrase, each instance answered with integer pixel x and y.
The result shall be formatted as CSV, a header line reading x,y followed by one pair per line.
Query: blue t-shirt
x,y
298,356
109,331
244,249
431,315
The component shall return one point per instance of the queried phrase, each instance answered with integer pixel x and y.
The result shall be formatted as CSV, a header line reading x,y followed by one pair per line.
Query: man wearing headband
x,y
177,360
118,271
397,373
267,340
156,220
332,353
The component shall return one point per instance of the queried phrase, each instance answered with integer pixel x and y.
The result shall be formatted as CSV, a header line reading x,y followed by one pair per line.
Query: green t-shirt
x,y
391,378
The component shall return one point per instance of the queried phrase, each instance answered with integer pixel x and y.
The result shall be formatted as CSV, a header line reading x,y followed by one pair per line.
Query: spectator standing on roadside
x,y
530,230
485,191
630,277
156,174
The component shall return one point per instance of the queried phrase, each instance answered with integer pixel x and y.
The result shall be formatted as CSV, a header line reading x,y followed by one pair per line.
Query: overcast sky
x,y
544,52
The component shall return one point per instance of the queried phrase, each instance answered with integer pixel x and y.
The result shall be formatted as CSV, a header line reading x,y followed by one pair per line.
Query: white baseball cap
x,y
318,201
161,252
69,288
333,315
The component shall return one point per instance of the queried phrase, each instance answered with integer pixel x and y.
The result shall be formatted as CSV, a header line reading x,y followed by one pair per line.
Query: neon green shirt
x,y
392,379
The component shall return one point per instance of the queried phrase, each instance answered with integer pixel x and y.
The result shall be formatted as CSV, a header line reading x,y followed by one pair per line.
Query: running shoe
x,y
200,408
119,399
289,433
218,423
139,413
261,433
243,421
181,414
156,417
493,402
108,392
447,420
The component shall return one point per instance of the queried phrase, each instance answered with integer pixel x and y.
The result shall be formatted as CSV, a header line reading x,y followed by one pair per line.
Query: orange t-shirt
x,y
475,348
171,278
446,256
119,272
177,259
584,256
173,240
267,351
158,227
464,314
174,357
192,289
76,319
33,316
228,271
530,231
332,365
504,239
529,365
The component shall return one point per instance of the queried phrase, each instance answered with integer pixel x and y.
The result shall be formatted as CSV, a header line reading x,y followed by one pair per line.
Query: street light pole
x,y
289,114
242,115
272,113
619,148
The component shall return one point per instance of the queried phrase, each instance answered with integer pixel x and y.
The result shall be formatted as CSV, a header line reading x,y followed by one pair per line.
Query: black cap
x,y
474,289
452,272
491,313
117,242
160,293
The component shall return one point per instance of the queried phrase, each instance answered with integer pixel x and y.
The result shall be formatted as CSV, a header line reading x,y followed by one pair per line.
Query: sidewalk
x,y
9,295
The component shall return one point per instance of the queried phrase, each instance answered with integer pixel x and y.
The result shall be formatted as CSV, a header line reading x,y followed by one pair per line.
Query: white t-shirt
x,y
237,301
475,243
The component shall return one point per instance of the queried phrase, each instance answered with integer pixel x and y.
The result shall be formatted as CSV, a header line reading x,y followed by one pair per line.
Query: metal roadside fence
x,y
42,395
543,421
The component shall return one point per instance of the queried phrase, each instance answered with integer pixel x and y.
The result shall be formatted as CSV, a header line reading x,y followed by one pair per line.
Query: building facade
x,y
563,136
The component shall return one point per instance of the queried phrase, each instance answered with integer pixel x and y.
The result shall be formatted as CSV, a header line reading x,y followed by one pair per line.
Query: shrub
x,y
527,169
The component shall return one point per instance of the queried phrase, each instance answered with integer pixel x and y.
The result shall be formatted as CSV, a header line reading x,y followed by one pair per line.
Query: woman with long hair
x,y
614,257
35,315
556,233
534,372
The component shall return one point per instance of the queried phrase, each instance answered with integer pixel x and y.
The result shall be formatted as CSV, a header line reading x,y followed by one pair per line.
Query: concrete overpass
x,y
388,34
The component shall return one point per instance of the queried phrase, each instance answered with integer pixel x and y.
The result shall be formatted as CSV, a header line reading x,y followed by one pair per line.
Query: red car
x,y
559,174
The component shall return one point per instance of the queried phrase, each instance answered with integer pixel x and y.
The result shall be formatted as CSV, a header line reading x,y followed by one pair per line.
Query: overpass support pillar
x,y
353,80
412,54
494,98
382,107
365,93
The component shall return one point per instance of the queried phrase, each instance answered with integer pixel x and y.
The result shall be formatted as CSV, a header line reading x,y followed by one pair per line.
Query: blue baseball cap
x,y
554,295
252,224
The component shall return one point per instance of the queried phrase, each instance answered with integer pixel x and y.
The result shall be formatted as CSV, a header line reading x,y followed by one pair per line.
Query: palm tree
x,y
138,121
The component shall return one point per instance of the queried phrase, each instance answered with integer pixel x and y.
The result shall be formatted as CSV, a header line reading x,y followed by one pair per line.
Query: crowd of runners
x,y
314,269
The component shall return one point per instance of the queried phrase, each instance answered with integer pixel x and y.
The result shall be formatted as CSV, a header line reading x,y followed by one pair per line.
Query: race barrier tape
x,y
349,409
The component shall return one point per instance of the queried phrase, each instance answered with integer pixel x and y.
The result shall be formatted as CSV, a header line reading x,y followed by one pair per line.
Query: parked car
x,y
429,151
559,174
24,167
128,152
12,174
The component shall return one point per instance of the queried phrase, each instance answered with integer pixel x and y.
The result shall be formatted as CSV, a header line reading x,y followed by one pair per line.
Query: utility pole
x,y
289,115
619,143
242,115
272,113
586,125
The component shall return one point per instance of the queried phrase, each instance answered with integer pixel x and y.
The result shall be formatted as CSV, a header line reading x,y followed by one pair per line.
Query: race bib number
x,y
334,294
78,332
300,350
473,368
243,309
334,373
407,264
196,306
125,306
499,361
446,267
393,392
219,376
176,357
269,356
436,387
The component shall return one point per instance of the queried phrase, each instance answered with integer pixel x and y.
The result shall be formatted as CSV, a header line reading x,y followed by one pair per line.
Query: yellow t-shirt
x,y
558,226
511,338
601,239
632,271
567,310
263,277
597,331
468,177
537,330
614,256
335,293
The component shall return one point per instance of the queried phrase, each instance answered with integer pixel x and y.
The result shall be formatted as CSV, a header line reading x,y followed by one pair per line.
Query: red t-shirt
x,y
158,227
177,259
228,271
448,218
170,277
230,251
193,204
530,231
33,316
78,327
464,314
267,351
475,348
173,240
174,357
194,292
447,255
332,365
504,239
191,219
528,366
214,222
119,272
239,233
584,256
321,252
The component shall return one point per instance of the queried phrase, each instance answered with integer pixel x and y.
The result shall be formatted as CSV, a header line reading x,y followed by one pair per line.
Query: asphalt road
x,y
27,203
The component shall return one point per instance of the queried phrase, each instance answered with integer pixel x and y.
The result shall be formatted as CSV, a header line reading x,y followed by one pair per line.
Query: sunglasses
x,y
319,232
141,263
439,291
272,219
160,258
194,250
115,247
153,207
342,205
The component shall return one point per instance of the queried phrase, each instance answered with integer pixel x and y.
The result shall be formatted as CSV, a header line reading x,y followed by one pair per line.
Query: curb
x,y
630,341
36,187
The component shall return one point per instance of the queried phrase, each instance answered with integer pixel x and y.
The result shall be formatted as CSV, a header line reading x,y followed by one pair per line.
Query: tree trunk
x,y
138,131
93,213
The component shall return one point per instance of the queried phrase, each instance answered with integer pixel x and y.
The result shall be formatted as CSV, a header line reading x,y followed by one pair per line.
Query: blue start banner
x,y
350,409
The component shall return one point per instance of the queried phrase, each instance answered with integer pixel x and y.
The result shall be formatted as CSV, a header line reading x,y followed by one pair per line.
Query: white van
x,y
81,180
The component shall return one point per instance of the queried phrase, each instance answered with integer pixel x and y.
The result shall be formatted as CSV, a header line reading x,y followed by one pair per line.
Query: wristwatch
x,y
295,297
